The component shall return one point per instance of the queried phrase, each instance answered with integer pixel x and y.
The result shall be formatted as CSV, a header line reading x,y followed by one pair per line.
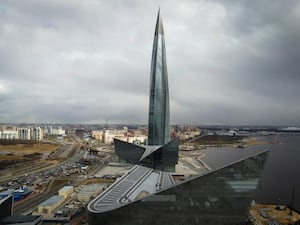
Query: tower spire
x,y
159,25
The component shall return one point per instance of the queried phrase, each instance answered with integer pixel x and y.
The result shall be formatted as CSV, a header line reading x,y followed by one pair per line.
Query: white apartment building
x,y
8,134
137,139
97,134
109,135
24,133
58,131
37,134
49,130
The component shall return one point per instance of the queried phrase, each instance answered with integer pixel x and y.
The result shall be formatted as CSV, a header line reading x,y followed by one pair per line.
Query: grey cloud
x,y
229,62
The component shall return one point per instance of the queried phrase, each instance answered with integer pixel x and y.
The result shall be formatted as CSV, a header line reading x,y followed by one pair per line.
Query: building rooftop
x,y
6,192
52,200
149,149
19,219
139,182
3,199
67,188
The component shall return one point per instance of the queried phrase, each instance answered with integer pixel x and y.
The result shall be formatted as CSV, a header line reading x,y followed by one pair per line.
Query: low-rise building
x,y
137,139
97,134
109,135
48,206
66,191
89,191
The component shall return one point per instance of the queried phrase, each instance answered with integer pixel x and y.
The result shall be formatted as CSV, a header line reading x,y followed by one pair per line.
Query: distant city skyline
x,y
229,63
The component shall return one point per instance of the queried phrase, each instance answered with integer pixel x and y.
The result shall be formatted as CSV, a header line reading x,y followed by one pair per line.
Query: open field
x,y
22,152
227,140
220,140
253,141
18,151
30,148
217,139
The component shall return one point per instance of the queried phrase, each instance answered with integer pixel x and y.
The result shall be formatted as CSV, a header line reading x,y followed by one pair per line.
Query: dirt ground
x,y
253,141
18,151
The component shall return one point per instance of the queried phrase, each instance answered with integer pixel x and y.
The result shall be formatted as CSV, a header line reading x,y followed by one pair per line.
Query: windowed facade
x,y
159,109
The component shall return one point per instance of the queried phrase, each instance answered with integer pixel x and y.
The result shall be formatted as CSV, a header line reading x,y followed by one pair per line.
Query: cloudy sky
x,y
74,61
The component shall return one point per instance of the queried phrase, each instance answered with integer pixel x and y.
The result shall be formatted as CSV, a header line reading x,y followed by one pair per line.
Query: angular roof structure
x,y
143,192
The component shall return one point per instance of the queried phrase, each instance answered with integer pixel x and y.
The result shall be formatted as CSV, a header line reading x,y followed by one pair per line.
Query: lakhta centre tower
x,y
157,189
160,152
159,109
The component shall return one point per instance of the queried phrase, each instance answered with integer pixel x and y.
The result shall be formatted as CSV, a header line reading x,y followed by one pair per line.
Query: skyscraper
x,y
159,109
161,153
147,194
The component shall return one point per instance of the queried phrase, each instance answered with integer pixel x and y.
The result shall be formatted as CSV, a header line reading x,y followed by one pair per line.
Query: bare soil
x,y
20,152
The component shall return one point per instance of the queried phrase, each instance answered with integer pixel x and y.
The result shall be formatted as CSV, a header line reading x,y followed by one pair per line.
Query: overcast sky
x,y
74,61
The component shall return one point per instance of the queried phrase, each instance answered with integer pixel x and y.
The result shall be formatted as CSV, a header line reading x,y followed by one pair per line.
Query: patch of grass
x,y
56,184
10,157
96,181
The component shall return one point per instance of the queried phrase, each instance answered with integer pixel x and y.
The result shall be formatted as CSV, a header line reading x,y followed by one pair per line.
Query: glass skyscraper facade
x,y
160,153
159,109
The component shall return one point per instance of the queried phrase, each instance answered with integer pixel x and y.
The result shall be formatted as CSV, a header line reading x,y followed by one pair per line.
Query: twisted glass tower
x,y
159,109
